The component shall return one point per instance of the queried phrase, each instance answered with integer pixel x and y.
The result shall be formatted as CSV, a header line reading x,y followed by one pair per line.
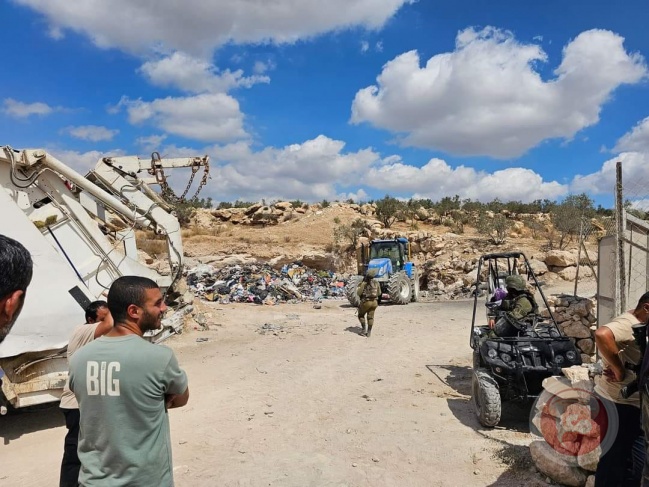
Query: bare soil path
x,y
292,396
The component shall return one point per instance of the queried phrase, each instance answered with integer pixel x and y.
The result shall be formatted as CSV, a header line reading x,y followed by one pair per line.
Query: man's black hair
x,y
644,299
16,267
91,310
125,291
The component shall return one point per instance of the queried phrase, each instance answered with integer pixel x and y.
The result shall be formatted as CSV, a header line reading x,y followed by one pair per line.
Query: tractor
x,y
395,272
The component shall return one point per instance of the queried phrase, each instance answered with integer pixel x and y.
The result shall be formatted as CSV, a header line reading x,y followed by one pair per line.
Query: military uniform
x,y
518,307
368,291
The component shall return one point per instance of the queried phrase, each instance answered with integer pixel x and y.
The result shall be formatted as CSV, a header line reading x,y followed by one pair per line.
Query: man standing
x,y
368,291
124,386
98,323
16,269
619,352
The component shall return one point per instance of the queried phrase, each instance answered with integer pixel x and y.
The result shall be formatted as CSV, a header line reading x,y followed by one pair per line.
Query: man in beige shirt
x,y
620,353
98,323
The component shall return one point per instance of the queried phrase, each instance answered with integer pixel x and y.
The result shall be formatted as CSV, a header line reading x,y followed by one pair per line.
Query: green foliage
x,y
350,233
185,209
224,205
325,203
535,226
296,203
337,220
572,218
495,228
388,209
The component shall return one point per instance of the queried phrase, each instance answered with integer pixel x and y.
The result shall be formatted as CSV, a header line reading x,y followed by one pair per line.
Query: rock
x,y
321,261
576,373
253,209
560,258
568,274
587,359
223,215
283,205
589,454
576,330
586,345
582,308
538,267
559,468
590,482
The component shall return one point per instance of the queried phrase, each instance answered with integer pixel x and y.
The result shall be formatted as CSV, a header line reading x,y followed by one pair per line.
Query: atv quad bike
x,y
511,358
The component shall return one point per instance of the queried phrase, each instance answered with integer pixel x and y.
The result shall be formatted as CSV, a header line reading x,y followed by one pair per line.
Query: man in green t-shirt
x,y
124,386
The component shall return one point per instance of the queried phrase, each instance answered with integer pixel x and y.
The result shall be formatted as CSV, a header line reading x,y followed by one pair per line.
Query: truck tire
x,y
415,286
400,288
351,288
486,398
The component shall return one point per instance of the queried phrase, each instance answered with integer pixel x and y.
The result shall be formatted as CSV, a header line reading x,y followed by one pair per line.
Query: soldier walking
x,y
368,291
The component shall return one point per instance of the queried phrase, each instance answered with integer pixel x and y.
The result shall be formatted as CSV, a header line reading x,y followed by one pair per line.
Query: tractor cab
x,y
393,269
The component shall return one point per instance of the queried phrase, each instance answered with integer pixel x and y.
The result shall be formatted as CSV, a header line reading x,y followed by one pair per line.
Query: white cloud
x,y
635,176
365,46
199,26
261,67
379,46
637,140
19,109
194,75
311,171
320,168
209,117
437,179
150,143
486,97
94,133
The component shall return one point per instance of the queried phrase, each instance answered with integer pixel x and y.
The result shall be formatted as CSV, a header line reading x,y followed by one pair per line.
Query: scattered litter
x,y
354,464
317,306
202,339
368,398
270,328
262,284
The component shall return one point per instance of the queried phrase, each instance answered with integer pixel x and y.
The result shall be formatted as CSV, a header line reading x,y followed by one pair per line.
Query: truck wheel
x,y
399,288
486,398
415,286
351,288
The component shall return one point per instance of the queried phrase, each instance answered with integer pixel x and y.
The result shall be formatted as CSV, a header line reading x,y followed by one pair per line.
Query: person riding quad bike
x,y
517,307
519,302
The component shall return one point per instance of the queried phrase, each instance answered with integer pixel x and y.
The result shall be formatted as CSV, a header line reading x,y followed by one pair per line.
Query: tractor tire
x,y
351,288
415,286
486,398
400,288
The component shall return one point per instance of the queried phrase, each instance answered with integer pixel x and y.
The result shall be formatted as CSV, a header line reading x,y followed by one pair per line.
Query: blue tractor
x,y
395,272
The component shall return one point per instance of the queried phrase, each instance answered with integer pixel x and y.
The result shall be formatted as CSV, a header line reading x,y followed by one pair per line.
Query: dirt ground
x,y
291,395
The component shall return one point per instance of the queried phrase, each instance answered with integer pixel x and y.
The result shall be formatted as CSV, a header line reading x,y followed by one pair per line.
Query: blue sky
x,y
358,98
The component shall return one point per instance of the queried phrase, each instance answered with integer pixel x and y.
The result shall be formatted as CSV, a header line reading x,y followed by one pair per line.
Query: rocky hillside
x,y
311,234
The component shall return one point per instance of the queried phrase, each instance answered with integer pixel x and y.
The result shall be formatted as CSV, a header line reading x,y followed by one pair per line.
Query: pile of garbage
x,y
262,284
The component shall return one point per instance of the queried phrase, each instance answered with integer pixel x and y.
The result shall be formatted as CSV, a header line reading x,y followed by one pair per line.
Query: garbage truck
x,y
80,231
394,270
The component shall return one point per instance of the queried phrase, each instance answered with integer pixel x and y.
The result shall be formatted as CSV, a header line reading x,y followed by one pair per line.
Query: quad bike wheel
x,y
486,398
352,288
399,288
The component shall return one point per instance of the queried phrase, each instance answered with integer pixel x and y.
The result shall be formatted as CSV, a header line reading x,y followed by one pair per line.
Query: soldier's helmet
x,y
515,282
371,273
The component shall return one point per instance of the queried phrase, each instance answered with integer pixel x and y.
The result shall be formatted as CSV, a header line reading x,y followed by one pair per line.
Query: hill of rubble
x,y
282,234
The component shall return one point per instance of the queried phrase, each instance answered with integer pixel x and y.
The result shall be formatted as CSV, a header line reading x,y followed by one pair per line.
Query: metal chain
x,y
166,191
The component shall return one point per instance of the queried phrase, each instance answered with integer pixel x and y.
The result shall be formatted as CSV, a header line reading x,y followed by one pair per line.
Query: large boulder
x,y
321,261
560,468
560,258
538,267
575,329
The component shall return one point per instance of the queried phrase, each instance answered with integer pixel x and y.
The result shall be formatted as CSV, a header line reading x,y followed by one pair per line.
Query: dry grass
x,y
153,247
